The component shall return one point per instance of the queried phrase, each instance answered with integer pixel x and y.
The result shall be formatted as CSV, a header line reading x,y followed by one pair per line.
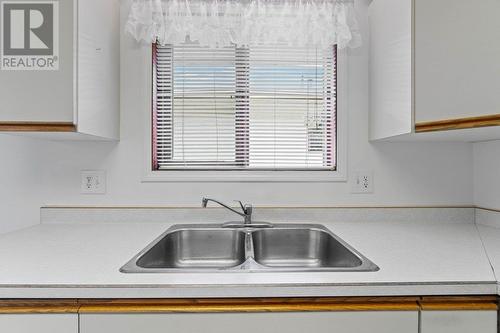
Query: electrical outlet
x,y
362,182
93,182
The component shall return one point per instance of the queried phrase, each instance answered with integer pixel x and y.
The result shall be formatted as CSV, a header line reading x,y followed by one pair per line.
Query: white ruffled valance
x,y
218,23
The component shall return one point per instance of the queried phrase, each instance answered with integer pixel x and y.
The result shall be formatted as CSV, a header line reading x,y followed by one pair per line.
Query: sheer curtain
x,y
219,23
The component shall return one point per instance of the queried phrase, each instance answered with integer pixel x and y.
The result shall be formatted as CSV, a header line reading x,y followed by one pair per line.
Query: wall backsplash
x,y
487,174
36,173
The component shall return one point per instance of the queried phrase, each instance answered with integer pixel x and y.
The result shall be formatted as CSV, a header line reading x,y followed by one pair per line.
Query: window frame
x,y
338,175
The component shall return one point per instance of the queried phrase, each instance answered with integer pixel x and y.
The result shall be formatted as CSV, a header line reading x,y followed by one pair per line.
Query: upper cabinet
x,y
60,67
435,67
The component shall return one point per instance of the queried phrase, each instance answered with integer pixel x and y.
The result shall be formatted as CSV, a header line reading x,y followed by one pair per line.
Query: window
x,y
259,108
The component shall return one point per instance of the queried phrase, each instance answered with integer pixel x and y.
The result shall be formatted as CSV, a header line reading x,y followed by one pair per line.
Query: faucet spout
x,y
246,209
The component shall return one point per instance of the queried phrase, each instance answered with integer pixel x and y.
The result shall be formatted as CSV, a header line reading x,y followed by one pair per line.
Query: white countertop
x,y
489,229
82,260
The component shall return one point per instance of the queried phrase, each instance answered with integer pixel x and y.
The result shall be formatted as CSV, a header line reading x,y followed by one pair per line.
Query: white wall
x,y
487,174
35,173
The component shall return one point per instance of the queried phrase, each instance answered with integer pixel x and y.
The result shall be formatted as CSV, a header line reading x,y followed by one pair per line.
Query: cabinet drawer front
x,y
459,321
298,322
39,323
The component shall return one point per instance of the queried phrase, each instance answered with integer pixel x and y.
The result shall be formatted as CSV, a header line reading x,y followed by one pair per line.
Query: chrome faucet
x,y
246,209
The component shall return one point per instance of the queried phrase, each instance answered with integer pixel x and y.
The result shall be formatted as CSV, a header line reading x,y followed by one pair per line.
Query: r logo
x,y
29,34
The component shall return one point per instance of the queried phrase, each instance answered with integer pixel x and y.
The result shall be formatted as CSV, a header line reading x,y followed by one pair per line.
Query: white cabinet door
x,y
391,108
82,93
459,322
299,322
428,65
457,72
39,323
43,95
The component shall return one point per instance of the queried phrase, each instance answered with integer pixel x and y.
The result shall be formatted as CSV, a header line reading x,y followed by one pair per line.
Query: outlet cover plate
x,y
362,181
93,182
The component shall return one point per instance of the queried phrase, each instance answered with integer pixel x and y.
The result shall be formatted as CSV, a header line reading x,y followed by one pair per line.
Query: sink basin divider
x,y
249,250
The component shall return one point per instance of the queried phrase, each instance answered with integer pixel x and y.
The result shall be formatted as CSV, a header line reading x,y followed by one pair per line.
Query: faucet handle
x,y
241,205
247,209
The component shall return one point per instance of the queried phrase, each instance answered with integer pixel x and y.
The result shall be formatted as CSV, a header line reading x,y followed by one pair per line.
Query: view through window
x,y
258,108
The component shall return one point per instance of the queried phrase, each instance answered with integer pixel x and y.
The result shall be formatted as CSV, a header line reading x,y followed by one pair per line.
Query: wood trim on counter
x,y
459,306
38,306
459,123
459,303
249,305
253,305
249,308
481,298
37,127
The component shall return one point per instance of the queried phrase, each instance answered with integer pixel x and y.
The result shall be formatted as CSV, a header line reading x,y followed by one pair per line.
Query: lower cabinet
x,y
290,322
39,323
459,321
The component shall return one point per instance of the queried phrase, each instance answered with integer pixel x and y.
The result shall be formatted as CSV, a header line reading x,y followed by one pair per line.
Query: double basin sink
x,y
248,248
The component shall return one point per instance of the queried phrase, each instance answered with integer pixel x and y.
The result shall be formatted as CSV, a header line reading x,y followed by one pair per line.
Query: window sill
x,y
246,176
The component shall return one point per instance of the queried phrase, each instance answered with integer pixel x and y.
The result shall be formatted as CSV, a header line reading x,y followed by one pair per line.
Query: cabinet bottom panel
x,y
298,322
39,323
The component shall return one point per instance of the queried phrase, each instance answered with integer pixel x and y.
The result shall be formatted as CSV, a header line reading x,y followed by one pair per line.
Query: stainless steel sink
x,y
311,248
200,248
248,248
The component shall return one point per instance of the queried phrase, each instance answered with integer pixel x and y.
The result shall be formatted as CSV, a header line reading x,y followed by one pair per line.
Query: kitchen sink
x,y
301,247
256,247
198,248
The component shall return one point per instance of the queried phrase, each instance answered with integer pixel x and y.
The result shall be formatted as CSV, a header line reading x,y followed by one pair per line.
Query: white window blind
x,y
263,108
